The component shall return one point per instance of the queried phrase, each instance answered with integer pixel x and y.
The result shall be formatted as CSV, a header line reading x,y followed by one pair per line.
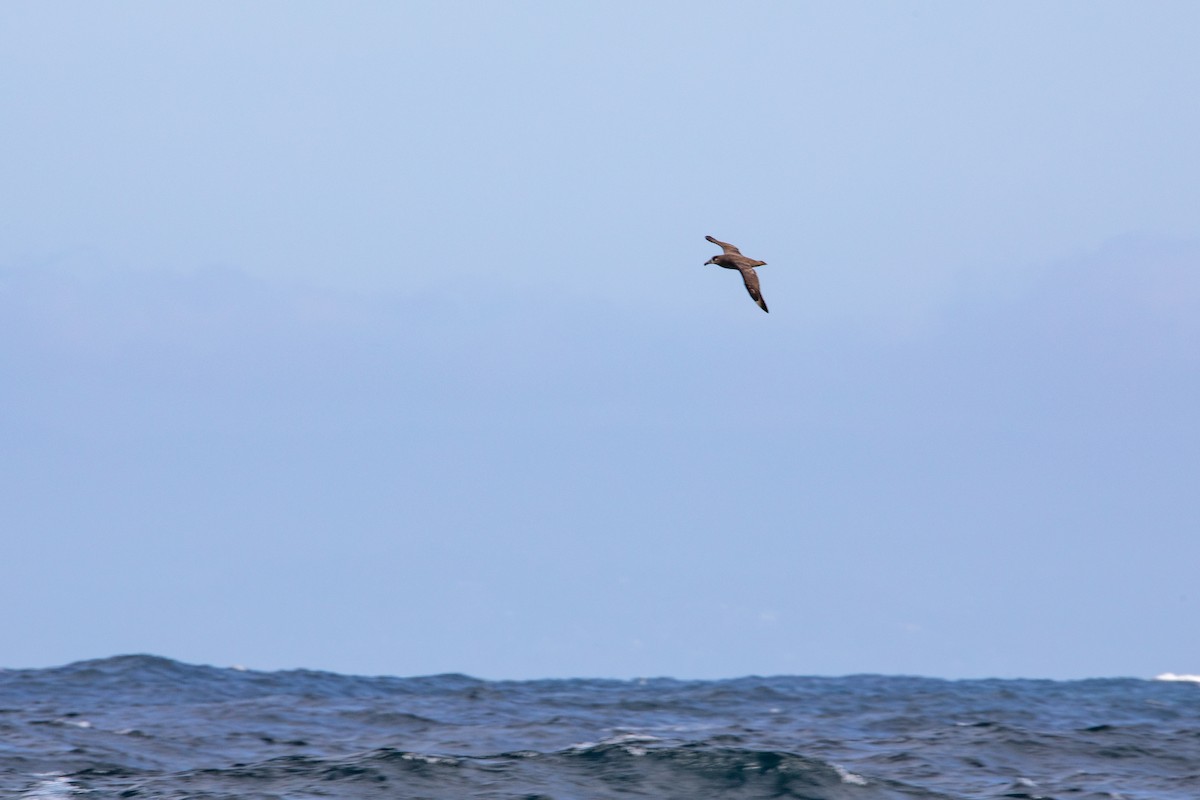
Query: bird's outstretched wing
x,y
726,246
750,277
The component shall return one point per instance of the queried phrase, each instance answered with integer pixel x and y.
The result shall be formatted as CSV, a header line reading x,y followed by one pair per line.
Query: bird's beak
x,y
706,263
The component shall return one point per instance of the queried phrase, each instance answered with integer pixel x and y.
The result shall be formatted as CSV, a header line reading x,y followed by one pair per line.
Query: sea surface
x,y
149,727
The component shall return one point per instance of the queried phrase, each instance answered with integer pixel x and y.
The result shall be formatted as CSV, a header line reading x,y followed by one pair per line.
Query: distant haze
x,y
377,337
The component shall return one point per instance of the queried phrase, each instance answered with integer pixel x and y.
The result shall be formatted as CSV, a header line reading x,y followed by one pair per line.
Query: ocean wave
x,y
601,771
148,727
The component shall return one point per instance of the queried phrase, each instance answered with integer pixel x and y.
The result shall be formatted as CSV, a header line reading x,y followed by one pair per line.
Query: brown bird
x,y
732,258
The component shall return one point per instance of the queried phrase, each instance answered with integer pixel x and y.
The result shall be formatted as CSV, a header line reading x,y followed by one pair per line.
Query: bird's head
x,y
712,260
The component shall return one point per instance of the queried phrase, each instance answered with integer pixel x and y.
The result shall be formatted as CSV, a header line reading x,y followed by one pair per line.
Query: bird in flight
x,y
732,258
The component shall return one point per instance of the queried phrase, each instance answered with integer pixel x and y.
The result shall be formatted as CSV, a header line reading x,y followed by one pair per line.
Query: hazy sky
x,y
375,337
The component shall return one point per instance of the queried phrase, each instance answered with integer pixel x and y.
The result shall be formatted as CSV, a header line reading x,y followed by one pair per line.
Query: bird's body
x,y
732,258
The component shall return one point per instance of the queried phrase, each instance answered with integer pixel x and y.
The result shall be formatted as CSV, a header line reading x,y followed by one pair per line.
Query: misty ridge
x,y
1093,356
1134,304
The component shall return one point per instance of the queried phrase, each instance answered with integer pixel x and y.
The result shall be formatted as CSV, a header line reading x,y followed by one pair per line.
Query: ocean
x,y
148,727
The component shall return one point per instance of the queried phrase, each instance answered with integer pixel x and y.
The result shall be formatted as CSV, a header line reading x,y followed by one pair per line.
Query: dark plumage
x,y
732,258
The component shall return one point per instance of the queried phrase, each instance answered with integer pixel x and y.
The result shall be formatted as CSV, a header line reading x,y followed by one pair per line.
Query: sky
x,y
376,337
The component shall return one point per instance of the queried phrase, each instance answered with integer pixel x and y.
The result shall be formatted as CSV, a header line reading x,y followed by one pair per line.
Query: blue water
x,y
147,727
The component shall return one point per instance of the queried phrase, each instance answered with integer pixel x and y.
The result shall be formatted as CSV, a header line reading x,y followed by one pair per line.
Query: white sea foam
x,y
627,741
849,777
623,738
1171,676
428,759
630,742
57,786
